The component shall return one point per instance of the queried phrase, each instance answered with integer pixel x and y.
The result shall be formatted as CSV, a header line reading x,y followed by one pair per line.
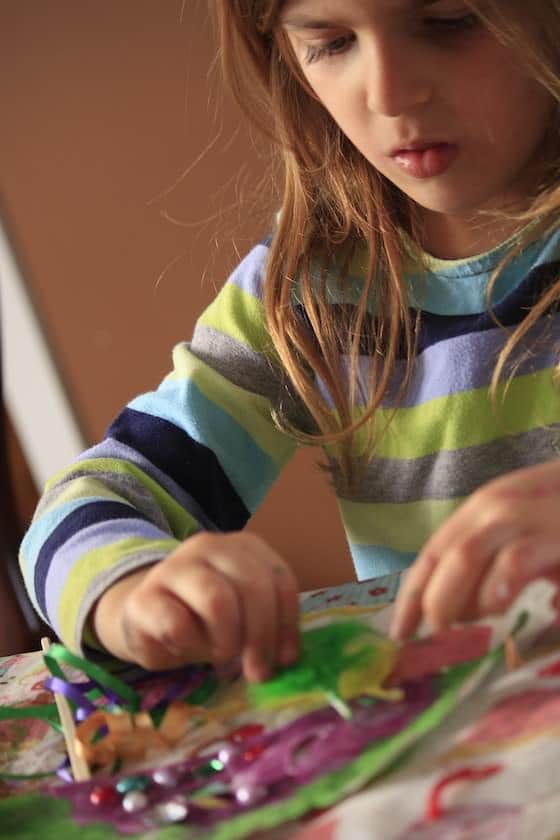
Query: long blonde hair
x,y
336,205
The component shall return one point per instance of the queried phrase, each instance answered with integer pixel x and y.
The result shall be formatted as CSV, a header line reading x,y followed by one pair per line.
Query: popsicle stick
x,y
80,769
512,656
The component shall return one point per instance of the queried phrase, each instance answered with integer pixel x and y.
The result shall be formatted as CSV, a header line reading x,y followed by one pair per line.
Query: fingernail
x,y
258,669
494,595
502,591
289,653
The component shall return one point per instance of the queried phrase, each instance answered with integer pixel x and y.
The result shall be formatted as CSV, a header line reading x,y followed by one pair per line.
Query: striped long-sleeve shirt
x,y
202,450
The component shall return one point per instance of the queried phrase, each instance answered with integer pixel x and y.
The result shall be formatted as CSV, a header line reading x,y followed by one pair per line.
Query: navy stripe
x,y
84,516
509,312
435,328
193,466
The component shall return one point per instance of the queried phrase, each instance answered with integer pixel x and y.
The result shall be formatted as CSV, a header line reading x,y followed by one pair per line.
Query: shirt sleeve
x,y
199,453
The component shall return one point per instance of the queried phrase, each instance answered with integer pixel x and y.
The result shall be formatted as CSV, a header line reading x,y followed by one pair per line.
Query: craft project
x,y
199,753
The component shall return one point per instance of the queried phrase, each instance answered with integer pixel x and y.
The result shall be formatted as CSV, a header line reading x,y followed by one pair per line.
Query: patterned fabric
x,y
202,450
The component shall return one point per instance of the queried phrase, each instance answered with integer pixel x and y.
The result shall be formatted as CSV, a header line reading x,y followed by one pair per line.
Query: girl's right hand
x,y
216,597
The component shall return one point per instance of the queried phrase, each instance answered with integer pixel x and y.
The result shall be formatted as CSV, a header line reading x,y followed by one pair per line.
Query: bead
x,y
173,811
227,753
243,733
247,795
133,783
104,795
166,777
134,800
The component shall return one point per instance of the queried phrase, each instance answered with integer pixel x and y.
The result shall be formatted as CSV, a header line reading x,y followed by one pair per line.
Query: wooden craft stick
x,y
512,656
80,769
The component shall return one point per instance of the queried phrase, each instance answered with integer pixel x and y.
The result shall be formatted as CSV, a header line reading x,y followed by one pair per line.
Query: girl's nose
x,y
396,82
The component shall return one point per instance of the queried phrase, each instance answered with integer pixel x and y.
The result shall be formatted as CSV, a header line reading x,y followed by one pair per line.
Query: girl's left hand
x,y
504,536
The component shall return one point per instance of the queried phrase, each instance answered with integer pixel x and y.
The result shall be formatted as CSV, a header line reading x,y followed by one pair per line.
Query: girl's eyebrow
x,y
301,21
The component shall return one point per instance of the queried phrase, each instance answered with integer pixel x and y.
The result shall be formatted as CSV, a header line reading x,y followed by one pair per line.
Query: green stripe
x,y
92,564
467,419
74,491
402,527
251,412
241,316
180,521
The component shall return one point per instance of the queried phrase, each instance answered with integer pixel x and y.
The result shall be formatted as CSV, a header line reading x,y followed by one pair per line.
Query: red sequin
x,y
250,730
253,752
104,795
379,590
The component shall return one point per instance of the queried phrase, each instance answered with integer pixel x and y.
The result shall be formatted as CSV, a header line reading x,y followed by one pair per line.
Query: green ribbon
x,y
58,653
48,713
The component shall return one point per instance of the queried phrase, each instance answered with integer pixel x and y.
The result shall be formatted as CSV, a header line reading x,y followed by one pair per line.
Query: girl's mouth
x,y
427,161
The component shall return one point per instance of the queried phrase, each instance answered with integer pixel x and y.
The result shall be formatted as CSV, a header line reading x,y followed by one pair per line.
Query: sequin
x,y
249,795
226,753
217,765
253,752
173,811
209,769
134,800
243,733
130,783
165,777
103,796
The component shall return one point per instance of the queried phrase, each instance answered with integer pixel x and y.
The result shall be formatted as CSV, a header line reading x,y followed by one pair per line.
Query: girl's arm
x,y
196,455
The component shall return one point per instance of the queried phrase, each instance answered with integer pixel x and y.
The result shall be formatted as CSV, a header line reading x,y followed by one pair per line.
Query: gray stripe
x,y
448,475
125,486
249,370
103,582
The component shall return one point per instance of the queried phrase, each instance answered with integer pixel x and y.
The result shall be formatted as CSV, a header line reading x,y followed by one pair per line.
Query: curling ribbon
x,y
111,685
107,736
434,808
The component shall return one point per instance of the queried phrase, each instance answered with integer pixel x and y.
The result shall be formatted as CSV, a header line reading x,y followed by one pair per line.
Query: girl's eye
x,y
452,24
335,47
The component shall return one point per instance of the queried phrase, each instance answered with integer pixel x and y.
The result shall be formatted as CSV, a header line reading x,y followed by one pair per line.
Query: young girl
x,y
402,315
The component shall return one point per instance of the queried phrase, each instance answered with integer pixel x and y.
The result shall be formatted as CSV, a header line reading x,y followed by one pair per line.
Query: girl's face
x,y
428,96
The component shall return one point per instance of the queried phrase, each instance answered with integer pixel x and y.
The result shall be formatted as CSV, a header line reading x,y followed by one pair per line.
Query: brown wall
x,y
126,225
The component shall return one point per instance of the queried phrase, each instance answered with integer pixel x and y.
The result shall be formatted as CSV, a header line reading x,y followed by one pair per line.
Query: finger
x,y
286,589
214,602
155,626
253,584
408,606
520,562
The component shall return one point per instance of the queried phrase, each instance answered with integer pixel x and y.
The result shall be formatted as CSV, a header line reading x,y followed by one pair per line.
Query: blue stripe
x,y
509,312
79,519
250,470
191,465
376,560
